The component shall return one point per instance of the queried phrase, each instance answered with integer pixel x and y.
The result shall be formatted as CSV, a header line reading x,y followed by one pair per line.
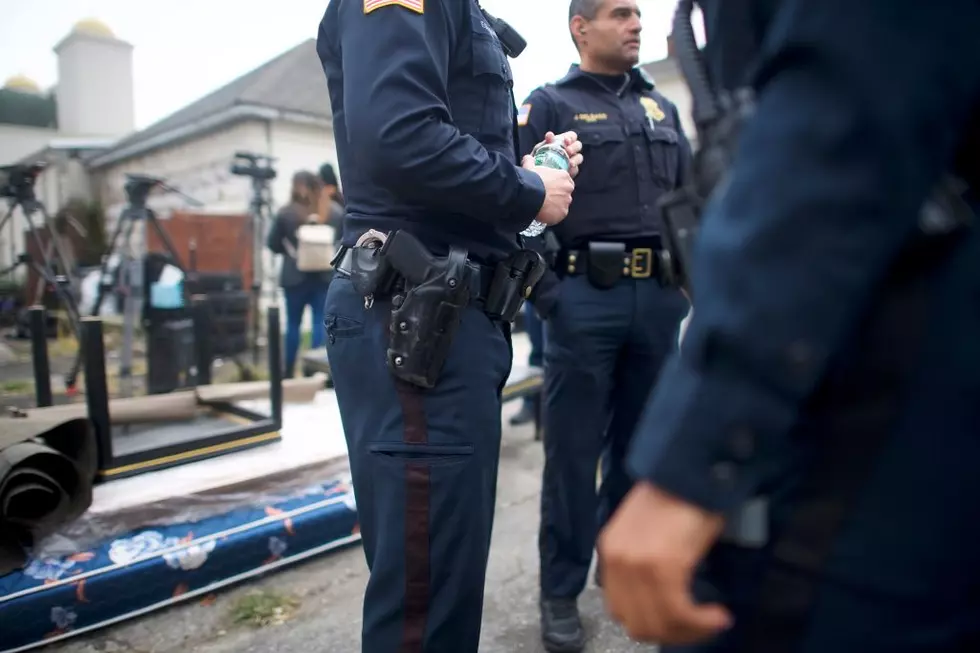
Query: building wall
x,y
200,169
17,142
216,241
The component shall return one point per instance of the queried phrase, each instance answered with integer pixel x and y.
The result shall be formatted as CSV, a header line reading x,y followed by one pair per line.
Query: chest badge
x,y
652,109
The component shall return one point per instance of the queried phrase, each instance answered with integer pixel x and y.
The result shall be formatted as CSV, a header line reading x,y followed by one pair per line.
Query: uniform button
x,y
742,444
724,474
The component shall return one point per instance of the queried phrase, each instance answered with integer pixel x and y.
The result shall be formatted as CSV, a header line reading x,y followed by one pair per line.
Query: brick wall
x,y
222,243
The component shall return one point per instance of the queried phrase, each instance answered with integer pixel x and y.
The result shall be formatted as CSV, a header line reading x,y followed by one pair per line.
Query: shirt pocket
x,y
665,155
605,154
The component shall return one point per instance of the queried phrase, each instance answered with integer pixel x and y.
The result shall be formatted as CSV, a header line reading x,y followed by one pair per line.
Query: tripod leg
x,y
168,243
7,216
72,376
54,238
133,284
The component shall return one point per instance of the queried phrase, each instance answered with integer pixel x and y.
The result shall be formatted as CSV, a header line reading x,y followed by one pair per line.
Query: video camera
x,y
17,181
256,166
138,187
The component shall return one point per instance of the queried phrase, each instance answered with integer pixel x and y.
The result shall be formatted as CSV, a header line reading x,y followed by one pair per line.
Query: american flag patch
x,y
523,114
413,5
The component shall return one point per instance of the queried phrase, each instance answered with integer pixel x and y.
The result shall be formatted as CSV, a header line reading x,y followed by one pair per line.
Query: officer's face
x,y
614,36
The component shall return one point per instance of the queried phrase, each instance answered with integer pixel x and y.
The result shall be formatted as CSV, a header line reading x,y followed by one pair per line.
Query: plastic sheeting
x,y
46,473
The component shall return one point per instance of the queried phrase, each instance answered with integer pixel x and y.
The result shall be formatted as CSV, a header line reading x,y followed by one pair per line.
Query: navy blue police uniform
x,y
424,119
609,323
827,385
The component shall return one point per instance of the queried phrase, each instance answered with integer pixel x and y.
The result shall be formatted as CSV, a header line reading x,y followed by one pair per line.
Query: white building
x,y
84,130
89,108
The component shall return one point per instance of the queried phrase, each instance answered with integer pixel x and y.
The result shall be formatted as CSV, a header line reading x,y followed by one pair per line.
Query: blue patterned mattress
x,y
154,567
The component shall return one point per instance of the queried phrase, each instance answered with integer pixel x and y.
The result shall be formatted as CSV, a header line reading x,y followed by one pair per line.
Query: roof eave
x,y
214,121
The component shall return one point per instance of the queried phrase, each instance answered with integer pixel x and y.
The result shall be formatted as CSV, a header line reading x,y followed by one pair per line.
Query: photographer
x,y
300,289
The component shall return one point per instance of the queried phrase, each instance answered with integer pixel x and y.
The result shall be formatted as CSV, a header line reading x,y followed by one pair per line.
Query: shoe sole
x,y
553,647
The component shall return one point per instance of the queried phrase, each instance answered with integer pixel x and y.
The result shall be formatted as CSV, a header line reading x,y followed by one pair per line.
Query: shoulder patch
x,y
413,5
523,114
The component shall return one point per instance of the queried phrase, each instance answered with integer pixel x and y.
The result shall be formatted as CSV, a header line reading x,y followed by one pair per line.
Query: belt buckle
x,y
641,263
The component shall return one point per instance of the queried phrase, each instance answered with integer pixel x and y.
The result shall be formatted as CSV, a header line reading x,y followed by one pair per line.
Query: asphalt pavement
x,y
326,592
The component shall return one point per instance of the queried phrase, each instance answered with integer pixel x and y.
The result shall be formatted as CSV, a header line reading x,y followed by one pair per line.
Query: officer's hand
x,y
573,148
648,553
558,186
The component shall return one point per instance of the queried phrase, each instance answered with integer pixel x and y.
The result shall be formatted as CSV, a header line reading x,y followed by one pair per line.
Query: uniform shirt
x,y
861,109
633,145
423,114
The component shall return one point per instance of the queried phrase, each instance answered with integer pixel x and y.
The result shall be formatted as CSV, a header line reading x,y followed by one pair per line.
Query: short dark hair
x,y
587,9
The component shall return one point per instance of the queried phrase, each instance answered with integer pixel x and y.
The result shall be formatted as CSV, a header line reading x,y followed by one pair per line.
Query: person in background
x,y
300,289
331,203
609,320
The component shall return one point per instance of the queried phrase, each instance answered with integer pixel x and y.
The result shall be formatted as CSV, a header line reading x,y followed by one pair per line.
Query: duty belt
x,y
480,282
638,262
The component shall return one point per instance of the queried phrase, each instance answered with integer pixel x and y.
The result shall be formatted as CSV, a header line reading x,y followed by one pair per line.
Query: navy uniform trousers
x,y
903,572
424,467
603,351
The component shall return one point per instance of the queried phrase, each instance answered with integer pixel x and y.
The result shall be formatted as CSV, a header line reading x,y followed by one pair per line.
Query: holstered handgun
x,y
426,313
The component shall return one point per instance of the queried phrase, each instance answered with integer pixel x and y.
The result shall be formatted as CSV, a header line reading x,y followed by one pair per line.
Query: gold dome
x,y
93,27
22,83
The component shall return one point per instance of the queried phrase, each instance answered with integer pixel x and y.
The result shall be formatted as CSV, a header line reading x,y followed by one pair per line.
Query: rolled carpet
x,y
47,468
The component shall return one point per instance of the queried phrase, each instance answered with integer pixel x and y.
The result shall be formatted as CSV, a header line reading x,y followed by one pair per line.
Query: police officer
x,y
826,388
424,121
609,322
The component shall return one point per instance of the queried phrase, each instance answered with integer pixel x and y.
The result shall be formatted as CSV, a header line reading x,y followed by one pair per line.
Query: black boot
x,y
561,626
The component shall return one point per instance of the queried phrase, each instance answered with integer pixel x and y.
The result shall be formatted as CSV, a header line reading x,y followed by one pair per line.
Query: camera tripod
x,y
129,274
17,186
257,167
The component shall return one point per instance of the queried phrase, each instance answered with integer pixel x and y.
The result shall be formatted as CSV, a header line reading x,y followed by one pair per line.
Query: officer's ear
x,y
578,26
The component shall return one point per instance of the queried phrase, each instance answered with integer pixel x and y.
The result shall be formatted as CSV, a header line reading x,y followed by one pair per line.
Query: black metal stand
x,y
19,190
257,429
96,389
39,356
258,168
275,365
201,314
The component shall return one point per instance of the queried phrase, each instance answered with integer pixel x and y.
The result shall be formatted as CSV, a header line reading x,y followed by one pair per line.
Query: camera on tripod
x,y
138,187
17,181
256,166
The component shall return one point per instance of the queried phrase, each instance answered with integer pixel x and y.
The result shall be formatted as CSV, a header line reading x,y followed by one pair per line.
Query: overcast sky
x,y
185,49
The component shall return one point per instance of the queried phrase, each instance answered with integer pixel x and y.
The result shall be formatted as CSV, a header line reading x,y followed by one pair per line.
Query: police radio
x,y
511,40
718,117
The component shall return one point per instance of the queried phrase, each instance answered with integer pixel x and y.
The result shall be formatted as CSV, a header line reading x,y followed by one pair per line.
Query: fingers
x,y
651,597
575,162
527,162
648,616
